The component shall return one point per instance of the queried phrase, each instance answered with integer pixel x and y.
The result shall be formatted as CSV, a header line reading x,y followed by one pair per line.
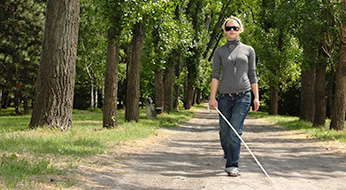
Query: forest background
x,y
128,50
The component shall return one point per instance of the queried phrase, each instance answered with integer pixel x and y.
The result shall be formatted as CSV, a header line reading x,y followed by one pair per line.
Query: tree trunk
x,y
338,117
307,105
188,91
26,105
110,119
176,86
7,101
18,98
159,88
168,83
320,94
96,98
0,98
56,75
198,96
92,93
274,99
133,80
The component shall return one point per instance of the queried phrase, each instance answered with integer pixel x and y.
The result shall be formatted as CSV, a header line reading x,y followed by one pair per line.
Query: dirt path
x,y
189,157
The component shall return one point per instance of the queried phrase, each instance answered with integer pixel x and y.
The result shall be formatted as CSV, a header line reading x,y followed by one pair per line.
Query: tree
x,y
196,15
20,39
338,114
114,16
324,49
278,52
310,39
133,73
56,75
111,80
91,56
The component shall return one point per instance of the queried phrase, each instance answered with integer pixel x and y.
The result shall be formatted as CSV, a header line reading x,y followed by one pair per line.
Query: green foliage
x,y
277,29
91,55
278,51
20,37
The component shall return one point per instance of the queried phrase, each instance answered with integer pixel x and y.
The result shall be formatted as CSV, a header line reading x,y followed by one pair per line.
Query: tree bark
x,y
18,98
92,93
188,90
320,94
111,81
0,98
176,85
56,75
338,117
168,83
159,88
133,80
198,96
307,105
274,99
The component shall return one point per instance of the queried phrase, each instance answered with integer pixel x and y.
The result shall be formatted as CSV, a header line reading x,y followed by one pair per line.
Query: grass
x,y
293,123
28,156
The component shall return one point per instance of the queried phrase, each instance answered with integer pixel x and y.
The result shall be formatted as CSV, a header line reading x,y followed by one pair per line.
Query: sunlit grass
x,y
39,149
293,123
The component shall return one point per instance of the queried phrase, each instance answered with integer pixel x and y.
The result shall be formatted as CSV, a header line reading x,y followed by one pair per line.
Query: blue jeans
x,y
235,109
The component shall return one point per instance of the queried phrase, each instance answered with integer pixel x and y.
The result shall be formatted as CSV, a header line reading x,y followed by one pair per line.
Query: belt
x,y
236,94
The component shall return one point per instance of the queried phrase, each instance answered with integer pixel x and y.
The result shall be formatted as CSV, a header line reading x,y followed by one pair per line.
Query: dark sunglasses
x,y
235,28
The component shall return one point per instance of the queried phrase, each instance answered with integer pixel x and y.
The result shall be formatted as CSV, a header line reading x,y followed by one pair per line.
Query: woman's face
x,y
232,34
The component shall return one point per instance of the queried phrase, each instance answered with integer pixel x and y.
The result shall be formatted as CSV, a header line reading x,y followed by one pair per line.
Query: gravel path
x,y
189,157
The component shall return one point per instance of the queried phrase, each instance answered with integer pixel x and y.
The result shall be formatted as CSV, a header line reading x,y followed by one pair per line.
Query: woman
x,y
237,62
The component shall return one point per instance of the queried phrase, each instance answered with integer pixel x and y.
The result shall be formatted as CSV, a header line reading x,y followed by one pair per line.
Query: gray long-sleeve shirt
x,y
237,63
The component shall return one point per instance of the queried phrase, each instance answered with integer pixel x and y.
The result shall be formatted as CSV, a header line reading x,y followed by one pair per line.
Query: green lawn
x,y
27,156
291,122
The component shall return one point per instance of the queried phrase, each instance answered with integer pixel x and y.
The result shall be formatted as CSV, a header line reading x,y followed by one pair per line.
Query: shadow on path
x,y
191,158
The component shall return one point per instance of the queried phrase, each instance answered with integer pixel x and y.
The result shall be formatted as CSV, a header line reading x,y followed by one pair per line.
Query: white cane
x,y
259,164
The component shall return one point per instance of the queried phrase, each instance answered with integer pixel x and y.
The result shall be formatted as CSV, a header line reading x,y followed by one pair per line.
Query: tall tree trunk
x,y
111,81
18,98
330,97
96,98
7,101
274,99
188,90
133,80
26,105
56,74
168,83
338,117
307,105
159,88
320,94
176,85
0,98
198,96
92,93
